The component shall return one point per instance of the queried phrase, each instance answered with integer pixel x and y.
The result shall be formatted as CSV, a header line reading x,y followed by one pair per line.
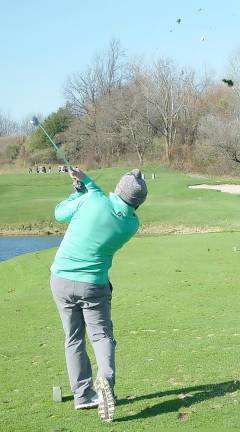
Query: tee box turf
x,y
57,394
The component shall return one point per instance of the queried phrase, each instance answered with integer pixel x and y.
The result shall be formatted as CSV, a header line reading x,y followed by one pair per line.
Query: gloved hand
x,y
76,174
79,186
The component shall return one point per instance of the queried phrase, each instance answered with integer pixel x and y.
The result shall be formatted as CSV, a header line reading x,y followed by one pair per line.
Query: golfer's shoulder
x,y
130,226
135,221
96,198
130,221
97,195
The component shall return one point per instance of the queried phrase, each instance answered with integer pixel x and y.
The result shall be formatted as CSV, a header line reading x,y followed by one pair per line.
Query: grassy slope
x,y
176,314
29,199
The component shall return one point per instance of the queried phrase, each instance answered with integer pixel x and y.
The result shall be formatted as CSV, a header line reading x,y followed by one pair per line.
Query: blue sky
x,y
43,42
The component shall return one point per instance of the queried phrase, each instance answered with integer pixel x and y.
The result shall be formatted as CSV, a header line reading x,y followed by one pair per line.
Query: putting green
x,y
176,315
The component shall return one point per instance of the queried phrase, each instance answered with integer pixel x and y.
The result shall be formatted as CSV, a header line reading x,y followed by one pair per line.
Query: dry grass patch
x,y
179,229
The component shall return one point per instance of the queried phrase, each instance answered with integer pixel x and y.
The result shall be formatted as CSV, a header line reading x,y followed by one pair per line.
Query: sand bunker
x,y
227,188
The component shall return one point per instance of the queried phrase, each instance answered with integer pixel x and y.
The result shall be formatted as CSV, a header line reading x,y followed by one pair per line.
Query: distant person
x,y
37,169
49,169
99,225
44,170
29,170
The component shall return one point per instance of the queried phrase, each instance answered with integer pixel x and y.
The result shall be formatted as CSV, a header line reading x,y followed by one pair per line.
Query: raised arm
x,y
66,209
78,175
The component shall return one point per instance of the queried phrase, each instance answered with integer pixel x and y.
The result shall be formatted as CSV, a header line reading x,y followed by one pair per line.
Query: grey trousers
x,y
83,306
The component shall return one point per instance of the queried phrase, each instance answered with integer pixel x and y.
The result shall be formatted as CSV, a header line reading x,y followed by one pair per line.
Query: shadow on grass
x,y
201,393
67,398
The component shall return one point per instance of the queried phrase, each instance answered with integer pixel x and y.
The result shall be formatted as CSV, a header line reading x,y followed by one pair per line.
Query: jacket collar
x,y
120,205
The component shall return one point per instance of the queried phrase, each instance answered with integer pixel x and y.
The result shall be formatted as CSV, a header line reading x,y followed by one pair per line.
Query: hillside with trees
x,y
121,111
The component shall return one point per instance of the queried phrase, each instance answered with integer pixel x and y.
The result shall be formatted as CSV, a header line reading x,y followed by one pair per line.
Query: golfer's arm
x,y
90,184
65,210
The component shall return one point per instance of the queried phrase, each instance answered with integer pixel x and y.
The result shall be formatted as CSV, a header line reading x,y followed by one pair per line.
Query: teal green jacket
x,y
99,225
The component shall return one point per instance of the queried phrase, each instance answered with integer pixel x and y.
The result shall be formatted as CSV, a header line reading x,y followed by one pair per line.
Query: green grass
x,y
176,316
27,201
175,311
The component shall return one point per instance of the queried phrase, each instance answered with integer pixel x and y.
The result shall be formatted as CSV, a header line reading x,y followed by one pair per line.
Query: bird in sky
x,y
229,82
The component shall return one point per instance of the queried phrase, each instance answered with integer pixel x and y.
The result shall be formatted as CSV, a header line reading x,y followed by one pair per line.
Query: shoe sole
x,y
106,403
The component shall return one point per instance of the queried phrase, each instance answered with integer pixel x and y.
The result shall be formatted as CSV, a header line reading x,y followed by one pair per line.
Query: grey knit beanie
x,y
132,188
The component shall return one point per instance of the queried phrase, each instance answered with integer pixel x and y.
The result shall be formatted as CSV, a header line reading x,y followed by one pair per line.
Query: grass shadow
x,y
201,393
67,398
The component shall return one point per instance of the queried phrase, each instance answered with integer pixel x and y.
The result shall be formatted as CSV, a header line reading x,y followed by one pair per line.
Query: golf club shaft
x,y
56,147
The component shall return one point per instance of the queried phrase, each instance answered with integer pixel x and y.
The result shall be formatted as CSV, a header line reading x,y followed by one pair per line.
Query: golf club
x,y
35,122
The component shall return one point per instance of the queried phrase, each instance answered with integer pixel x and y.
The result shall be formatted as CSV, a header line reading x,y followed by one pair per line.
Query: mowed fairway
x,y
27,201
176,309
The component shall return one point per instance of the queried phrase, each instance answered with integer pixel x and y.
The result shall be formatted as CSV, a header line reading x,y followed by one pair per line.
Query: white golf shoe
x,y
106,400
92,403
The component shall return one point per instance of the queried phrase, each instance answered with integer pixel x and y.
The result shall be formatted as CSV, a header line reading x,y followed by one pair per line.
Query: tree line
x,y
118,111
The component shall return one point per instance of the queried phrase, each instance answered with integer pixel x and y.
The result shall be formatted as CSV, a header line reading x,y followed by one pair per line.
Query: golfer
x,y
99,225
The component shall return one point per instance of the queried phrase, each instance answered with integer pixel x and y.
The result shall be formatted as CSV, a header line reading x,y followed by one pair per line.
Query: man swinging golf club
x,y
99,225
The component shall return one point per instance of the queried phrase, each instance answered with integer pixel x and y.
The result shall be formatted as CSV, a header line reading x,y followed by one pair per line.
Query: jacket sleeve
x,y
66,209
90,184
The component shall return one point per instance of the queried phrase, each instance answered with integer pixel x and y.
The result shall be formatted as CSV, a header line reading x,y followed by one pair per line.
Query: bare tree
x,y
163,89
111,69
192,110
107,71
124,120
81,91
234,73
223,135
7,125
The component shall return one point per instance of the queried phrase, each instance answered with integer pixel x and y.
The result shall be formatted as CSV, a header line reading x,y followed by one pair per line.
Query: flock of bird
x,y
229,82
179,20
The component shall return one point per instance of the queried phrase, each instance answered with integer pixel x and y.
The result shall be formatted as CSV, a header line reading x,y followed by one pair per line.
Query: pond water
x,y
13,246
